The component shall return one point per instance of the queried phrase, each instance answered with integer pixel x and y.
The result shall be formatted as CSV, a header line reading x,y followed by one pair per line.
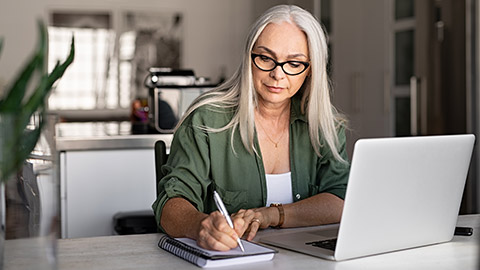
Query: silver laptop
x,y
402,193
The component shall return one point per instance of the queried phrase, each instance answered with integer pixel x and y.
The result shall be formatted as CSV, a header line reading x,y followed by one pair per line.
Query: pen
x,y
223,210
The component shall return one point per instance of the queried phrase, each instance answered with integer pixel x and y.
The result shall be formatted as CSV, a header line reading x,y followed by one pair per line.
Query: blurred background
x,y
398,67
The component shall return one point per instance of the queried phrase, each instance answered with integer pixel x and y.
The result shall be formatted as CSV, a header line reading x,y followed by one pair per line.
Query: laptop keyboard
x,y
326,244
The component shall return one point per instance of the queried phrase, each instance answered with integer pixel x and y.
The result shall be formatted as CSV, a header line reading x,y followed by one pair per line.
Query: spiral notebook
x,y
188,250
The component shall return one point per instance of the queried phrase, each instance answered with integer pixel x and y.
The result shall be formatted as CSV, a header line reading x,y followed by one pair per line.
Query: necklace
x,y
268,137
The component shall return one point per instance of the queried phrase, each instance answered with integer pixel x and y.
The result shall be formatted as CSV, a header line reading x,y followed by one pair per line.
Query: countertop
x,y
141,252
103,135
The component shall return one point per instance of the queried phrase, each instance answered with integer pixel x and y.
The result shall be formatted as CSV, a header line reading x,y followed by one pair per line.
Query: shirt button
x,y
298,196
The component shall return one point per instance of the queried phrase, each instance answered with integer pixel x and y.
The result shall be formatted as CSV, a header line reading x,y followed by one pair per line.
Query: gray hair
x,y
239,93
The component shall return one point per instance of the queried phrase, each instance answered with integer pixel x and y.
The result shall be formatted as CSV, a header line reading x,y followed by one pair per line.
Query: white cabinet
x,y
360,67
99,183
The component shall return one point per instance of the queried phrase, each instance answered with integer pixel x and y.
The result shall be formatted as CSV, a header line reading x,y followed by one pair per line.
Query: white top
x,y
279,188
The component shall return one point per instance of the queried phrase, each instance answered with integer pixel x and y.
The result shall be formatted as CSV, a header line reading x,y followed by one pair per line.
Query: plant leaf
x,y
16,93
16,149
34,103
18,144
25,145
38,98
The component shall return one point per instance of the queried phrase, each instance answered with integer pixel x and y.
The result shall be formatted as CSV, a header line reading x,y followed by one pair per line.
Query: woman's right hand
x,y
214,233
181,219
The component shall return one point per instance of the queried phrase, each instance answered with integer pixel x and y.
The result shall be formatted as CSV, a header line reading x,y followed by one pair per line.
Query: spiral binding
x,y
181,250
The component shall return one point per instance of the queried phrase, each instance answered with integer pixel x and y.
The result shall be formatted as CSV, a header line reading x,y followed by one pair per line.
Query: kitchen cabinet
x,y
102,176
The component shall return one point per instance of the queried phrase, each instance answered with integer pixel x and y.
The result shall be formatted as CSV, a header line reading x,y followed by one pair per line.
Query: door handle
x,y
418,106
414,117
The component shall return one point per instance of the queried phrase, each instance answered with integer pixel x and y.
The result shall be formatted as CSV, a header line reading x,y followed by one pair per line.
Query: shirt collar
x,y
295,110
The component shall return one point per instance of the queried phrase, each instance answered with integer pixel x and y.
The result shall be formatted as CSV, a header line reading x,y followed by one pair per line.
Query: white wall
x,y
214,30
18,28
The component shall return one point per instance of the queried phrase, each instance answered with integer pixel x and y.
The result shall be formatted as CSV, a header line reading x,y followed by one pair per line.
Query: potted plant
x,y
22,118
20,141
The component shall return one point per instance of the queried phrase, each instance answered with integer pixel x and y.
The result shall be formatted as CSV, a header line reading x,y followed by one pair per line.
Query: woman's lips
x,y
274,89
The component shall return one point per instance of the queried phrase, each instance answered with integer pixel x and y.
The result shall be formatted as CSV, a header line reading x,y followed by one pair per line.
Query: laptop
x,y
402,193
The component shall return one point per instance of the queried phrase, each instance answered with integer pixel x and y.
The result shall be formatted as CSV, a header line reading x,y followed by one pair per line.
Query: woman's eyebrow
x,y
275,55
267,50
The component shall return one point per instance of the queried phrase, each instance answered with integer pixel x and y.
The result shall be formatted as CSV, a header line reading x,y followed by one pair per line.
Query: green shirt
x,y
202,161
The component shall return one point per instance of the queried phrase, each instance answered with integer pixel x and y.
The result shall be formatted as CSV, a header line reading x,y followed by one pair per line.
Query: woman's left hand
x,y
254,219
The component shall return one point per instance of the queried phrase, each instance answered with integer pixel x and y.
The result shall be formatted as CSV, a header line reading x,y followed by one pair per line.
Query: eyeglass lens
x,y
266,63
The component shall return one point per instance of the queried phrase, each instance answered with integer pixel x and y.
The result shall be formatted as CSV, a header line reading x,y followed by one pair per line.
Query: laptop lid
x,y
402,193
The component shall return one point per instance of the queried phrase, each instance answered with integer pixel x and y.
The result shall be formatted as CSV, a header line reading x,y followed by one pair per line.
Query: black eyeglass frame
x,y
281,64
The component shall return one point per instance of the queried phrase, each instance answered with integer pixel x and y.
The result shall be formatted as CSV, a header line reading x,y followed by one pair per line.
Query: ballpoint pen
x,y
223,210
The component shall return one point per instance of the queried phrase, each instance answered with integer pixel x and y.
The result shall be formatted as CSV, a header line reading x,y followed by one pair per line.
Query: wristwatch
x,y
281,213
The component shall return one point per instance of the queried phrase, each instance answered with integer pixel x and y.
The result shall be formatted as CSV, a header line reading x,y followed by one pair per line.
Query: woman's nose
x,y
277,73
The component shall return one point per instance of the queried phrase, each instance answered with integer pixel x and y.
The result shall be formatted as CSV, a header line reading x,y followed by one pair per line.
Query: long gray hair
x,y
239,93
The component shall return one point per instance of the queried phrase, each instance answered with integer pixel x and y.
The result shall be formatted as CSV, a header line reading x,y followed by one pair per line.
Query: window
x,y
90,82
109,66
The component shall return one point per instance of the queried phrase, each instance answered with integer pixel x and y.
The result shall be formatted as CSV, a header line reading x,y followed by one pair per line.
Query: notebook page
x,y
250,249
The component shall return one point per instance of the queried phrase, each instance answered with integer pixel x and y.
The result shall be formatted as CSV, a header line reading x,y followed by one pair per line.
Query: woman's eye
x,y
294,64
265,58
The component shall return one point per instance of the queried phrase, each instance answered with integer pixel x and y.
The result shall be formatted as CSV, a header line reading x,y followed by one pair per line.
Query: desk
x,y
141,252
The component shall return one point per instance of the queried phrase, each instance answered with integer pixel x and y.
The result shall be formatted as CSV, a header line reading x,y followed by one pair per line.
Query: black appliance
x,y
170,93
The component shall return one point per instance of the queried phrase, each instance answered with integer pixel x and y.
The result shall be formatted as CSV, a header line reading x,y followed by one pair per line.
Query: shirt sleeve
x,y
186,173
333,173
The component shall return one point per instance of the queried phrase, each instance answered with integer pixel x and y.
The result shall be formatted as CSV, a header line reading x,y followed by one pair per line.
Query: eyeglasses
x,y
266,63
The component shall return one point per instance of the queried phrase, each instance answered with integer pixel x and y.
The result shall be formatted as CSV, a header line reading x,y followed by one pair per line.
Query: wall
x,y
17,27
214,30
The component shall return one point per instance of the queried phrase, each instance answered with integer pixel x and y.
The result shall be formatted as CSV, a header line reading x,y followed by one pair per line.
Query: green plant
x,y
18,105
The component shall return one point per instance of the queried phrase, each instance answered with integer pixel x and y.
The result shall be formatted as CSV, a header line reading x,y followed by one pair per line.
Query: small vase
x,y
31,200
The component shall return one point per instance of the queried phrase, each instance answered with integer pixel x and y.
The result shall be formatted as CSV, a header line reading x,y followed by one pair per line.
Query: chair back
x,y
160,159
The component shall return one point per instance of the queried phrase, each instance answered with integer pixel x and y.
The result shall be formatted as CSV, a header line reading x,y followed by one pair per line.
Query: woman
x,y
268,141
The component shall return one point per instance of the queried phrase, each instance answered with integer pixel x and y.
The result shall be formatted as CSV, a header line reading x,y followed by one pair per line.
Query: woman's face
x,y
280,42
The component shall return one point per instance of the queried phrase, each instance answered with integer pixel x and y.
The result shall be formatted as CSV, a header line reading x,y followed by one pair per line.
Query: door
x,y
401,15
429,93
429,85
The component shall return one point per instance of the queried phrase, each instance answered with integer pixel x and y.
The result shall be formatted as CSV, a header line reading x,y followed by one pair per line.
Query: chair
x,y
160,159
140,222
